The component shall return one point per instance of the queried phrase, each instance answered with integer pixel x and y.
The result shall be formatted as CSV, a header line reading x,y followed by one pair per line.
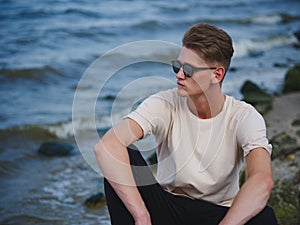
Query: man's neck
x,y
206,106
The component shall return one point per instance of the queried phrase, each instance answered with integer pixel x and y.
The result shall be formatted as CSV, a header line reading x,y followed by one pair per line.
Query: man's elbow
x,y
266,184
101,146
98,148
269,184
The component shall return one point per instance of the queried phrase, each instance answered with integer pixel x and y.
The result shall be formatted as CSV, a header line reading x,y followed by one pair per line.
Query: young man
x,y
203,136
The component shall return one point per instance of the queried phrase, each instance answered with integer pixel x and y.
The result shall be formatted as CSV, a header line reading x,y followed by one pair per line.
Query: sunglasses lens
x,y
176,66
188,70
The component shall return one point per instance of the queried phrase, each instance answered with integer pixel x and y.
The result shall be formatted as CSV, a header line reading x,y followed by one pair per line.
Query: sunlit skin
x,y
203,89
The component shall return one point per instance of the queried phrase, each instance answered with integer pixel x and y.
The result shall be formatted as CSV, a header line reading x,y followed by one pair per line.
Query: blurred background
x,y
47,45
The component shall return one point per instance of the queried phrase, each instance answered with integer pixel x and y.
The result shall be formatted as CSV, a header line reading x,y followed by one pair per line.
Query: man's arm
x,y
255,192
113,159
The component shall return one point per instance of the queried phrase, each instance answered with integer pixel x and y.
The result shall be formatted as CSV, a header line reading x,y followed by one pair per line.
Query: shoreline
x,y
283,131
285,110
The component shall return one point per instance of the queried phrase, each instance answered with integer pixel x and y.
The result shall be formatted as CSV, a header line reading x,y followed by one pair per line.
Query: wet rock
x,y
283,145
102,131
152,159
256,54
109,97
298,133
287,18
297,179
56,149
280,65
292,80
243,177
95,201
297,34
296,123
257,97
233,69
285,202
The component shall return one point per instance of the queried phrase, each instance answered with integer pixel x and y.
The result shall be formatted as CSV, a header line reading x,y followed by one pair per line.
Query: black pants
x,y
168,209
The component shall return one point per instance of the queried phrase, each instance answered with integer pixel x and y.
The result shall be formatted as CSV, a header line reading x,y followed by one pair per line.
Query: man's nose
x,y
180,74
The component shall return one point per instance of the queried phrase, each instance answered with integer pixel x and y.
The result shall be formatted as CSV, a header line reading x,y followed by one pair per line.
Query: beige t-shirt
x,y
201,158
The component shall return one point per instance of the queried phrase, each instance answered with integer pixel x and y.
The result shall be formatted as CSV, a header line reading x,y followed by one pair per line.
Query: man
x,y
203,136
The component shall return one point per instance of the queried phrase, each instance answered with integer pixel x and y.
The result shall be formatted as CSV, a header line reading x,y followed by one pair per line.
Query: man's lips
x,y
179,84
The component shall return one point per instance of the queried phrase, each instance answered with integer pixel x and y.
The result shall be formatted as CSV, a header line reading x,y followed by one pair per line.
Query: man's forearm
x,y
251,199
133,201
113,160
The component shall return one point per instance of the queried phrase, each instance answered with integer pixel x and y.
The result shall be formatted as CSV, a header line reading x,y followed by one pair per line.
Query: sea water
x,y
48,47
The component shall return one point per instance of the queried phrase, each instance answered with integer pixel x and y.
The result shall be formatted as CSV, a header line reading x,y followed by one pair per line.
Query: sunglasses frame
x,y
188,69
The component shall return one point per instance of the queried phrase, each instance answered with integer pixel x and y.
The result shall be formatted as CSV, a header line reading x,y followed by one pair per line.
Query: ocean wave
x,y
37,74
143,50
273,18
30,13
19,145
30,73
83,12
149,24
156,22
30,219
262,19
38,12
167,7
258,19
8,168
165,51
33,132
65,129
255,46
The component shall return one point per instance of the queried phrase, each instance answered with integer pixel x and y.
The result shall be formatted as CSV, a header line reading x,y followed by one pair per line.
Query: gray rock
x,y
292,80
56,149
257,97
95,201
283,144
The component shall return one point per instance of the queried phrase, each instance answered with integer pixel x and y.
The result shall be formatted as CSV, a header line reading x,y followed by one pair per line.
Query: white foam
x,y
266,19
246,47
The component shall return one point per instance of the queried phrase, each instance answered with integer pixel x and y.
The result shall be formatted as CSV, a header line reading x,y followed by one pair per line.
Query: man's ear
x,y
218,75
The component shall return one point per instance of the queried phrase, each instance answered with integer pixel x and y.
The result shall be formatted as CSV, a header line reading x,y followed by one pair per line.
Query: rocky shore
x,y
282,116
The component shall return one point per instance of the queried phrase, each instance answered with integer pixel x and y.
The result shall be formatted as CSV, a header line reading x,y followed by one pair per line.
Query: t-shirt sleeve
x,y
154,115
251,132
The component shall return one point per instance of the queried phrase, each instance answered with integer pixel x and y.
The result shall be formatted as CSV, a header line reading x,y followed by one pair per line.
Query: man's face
x,y
201,80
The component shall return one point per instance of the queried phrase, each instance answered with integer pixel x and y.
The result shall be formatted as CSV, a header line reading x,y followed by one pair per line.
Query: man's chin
x,y
181,92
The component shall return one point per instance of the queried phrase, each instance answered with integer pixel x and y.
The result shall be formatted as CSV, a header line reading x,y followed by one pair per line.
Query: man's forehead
x,y
188,54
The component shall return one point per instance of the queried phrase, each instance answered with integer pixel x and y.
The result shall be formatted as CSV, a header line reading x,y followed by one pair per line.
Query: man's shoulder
x,y
169,93
234,103
170,96
239,107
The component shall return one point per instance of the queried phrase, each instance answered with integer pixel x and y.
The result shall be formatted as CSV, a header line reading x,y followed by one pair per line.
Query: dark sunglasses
x,y
188,70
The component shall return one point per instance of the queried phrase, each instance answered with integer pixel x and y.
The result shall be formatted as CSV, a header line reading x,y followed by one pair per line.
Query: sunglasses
x,y
188,70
